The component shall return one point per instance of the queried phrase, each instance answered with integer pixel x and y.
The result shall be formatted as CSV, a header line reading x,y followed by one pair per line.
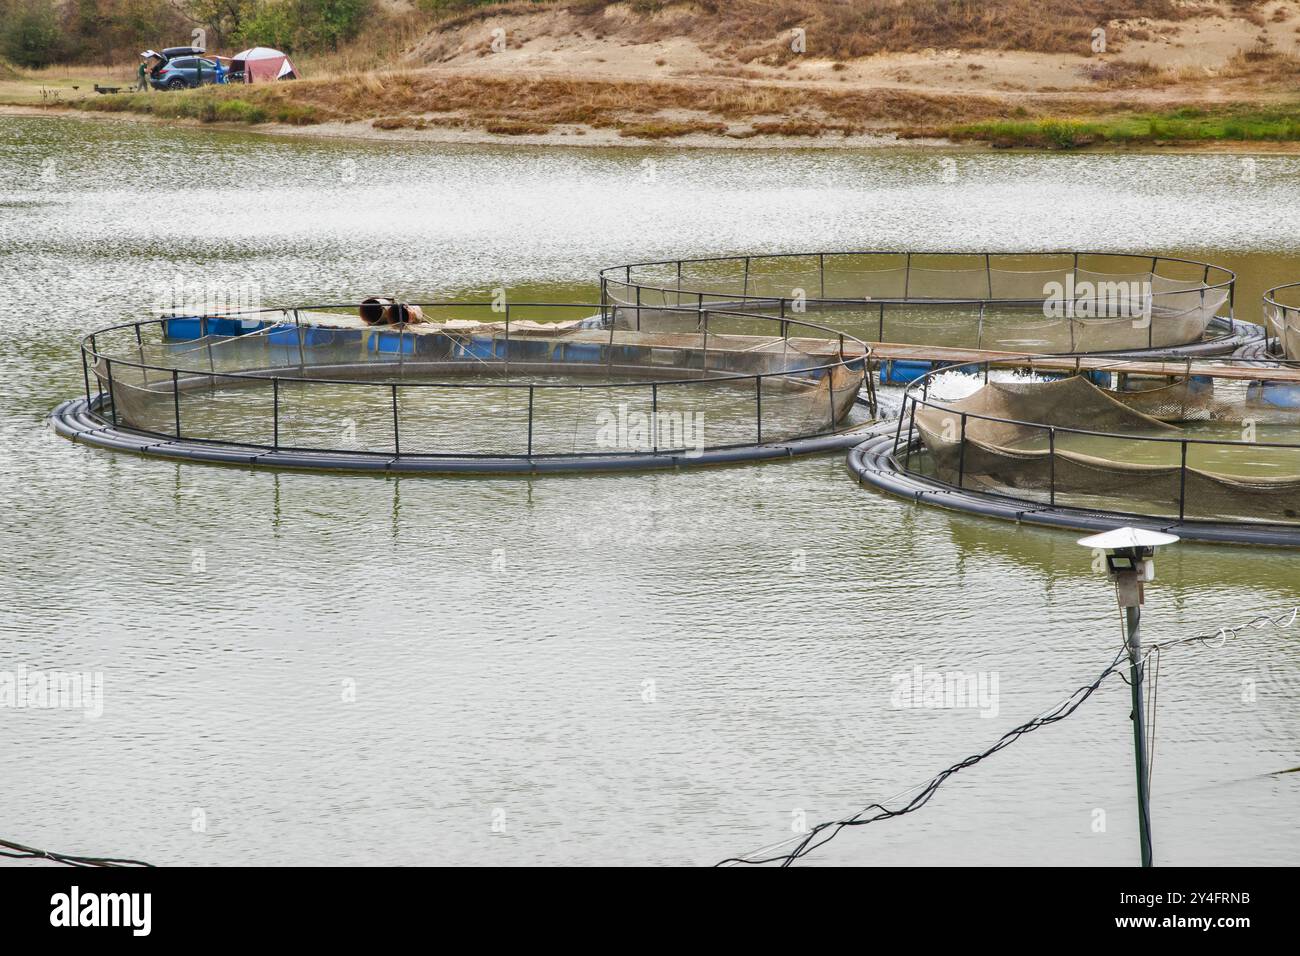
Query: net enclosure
x,y
1071,302
1211,443
1282,315
481,381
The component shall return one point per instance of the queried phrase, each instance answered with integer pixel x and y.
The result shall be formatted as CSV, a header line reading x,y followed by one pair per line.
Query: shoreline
x,y
362,131
588,138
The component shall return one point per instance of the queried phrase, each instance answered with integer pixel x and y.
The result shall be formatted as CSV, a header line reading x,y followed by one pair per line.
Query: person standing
x,y
142,81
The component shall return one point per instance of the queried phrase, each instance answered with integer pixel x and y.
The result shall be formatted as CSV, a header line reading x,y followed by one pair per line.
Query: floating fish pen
x,y
1282,318
1034,303
1211,451
468,387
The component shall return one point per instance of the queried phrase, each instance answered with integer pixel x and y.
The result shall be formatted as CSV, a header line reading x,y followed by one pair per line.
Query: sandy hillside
x,y
1143,55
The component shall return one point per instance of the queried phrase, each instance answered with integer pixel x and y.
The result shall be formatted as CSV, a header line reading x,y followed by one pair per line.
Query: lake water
x,y
661,668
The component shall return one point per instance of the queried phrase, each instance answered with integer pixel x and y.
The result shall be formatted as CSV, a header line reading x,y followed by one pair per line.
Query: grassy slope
x,y
1243,124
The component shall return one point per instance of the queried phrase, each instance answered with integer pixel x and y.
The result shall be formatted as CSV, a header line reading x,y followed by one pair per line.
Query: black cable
x,y
1223,634
1057,713
809,842
17,851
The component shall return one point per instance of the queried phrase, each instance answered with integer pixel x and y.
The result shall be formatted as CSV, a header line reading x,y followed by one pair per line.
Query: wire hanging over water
x,y
823,833
18,851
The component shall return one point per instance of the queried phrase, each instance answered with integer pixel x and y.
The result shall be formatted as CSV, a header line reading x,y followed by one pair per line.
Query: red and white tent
x,y
261,64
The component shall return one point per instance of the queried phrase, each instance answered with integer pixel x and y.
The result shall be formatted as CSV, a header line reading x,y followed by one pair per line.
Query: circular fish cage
x,y
1035,303
469,387
1209,451
1282,318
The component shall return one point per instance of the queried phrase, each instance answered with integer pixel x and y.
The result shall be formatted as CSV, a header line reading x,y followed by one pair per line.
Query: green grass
x,y
207,106
1187,125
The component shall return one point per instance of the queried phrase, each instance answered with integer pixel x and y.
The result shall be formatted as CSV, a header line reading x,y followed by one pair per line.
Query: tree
x,y
268,24
30,34
339,20
293,25
224,19
327,22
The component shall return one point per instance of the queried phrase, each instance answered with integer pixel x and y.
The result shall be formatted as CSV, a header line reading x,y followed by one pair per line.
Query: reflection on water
x,y
628,668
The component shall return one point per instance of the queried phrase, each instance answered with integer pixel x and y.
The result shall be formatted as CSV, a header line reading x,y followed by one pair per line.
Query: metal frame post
x,y
654,418
1051,458
704,348
530,421
397,443
85,373
911,425
830,396
1182,483
112,400
961,455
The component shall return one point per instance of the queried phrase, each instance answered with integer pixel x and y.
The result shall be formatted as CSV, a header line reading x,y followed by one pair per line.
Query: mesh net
x,y
1202,448
480,389
1051,303
1284,324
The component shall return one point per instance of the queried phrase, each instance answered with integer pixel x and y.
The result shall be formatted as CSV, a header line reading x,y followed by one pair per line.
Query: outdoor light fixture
x,y
1130,559
1130,563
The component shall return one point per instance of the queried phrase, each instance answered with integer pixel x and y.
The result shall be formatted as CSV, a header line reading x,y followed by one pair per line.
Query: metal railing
x,y
908,444
737,287
1282,313
503,347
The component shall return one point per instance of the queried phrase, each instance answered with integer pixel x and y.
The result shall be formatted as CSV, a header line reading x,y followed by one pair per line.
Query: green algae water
x,y
653,668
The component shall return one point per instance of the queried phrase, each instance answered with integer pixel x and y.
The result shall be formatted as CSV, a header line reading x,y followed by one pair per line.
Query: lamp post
x,y
1130,563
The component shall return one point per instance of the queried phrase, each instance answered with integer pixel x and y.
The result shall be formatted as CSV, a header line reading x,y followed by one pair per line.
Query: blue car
x,y
185,72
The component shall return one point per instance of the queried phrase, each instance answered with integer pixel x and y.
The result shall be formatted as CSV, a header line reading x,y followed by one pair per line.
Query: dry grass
x,y
1127,75
514,106
760,30
1263,64
664,129
385,38
556,101
800,128
395,122
509,127
845,29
